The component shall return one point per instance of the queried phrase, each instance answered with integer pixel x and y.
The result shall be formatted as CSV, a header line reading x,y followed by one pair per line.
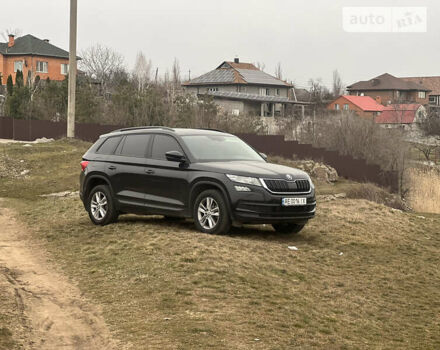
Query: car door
x,y
127,171
167,186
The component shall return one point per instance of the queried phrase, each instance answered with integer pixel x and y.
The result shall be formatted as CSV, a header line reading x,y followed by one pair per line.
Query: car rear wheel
x,y
100,206
210,213
288,228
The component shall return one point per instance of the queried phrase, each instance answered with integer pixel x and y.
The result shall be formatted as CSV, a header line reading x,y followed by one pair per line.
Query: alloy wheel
x,y
99,205
208,213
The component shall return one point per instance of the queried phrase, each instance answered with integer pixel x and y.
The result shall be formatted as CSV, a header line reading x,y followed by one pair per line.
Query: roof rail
x,y
211,129
144,127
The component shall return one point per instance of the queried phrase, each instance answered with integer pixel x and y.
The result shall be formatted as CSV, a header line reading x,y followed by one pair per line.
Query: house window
x,y
336,106
278,92
346,108
262,92
433,99
18,66
241,88
212,89
267,92
42,67
236,112
64,69
422,94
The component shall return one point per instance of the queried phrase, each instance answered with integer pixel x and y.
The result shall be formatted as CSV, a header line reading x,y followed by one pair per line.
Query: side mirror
x,y
263,155
175,156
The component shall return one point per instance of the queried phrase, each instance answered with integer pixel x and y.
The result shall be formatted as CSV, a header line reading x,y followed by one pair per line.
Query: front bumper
x,y
260,206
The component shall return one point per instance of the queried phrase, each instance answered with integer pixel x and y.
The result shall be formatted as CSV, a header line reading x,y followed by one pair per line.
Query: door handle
x,y
112,167
149,171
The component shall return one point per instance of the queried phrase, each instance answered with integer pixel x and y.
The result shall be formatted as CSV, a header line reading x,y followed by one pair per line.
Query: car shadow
x,y
250,232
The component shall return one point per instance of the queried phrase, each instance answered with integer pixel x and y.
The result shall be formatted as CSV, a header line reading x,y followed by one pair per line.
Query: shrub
x,y
376,194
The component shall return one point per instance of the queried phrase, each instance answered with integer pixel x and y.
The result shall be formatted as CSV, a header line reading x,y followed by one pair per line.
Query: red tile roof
x,y
366,103
398,114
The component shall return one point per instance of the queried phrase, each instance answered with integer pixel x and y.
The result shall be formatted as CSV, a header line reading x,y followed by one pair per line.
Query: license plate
x,y
289,202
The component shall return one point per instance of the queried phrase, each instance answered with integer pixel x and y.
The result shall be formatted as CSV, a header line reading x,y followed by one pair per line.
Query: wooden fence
x,y
347,166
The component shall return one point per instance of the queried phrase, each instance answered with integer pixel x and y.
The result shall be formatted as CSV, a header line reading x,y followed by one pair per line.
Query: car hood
x,y
252,168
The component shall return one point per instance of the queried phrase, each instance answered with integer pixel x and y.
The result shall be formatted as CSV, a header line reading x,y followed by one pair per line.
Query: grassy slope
x,y
164,285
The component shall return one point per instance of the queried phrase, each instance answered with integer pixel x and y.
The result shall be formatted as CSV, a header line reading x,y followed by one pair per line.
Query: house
x,y
387,89
405,116
34,57
242,88
364,106
433,84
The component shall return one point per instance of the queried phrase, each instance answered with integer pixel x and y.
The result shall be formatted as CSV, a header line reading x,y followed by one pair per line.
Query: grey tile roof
x,y
221,76
252,76
30,45
236,73
251,97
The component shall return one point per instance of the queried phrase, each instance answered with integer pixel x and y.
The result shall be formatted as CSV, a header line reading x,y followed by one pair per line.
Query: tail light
x,y
84,164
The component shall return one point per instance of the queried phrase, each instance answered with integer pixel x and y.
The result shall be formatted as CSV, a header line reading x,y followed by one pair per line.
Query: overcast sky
x,y
307,37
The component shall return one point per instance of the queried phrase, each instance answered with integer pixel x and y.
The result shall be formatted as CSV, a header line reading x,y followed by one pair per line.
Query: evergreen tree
x,y
19,79
10,85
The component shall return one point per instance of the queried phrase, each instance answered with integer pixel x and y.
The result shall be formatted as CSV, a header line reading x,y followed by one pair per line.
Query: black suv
x,y
210,176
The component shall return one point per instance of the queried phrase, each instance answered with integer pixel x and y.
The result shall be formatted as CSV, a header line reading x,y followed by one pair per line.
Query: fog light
x,y
242,189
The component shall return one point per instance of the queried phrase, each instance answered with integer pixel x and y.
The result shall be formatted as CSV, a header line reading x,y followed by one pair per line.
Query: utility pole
x,y
72,70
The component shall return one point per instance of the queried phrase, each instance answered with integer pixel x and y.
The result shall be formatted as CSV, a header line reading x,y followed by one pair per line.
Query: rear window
x,y
109,145
163,144
135,145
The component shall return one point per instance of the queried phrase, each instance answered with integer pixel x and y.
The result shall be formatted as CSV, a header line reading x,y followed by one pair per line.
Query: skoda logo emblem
x,y
289,177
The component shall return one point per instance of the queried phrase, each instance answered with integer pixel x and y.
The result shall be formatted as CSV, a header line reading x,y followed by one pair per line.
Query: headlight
x,y
244,180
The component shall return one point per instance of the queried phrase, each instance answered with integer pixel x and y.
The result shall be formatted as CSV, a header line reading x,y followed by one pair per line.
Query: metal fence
x,y
347,166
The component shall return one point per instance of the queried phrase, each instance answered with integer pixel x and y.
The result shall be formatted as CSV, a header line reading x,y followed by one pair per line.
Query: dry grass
x,y
424,195
163,285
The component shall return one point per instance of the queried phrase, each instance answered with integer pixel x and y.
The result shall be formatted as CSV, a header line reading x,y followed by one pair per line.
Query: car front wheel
x,y
100,206
288,228
210,213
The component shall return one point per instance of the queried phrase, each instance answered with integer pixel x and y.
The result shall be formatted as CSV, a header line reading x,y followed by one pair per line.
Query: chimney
x,y
11,40
236,60
46,40
379,99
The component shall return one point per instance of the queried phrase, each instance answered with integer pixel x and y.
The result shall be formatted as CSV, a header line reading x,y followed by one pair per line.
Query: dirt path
x,y
54,314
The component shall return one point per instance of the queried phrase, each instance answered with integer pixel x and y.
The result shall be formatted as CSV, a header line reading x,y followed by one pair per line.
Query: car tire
x,y
288,228
101,207
210,213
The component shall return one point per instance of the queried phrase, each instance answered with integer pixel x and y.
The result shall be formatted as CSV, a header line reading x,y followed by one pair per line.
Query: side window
x,y
109,145
135,145
163,144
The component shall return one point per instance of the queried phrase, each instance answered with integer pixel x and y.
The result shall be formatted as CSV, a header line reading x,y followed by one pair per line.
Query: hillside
x,y
364,275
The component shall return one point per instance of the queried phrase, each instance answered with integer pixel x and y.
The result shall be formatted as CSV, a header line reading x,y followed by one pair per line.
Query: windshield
x,y
219,148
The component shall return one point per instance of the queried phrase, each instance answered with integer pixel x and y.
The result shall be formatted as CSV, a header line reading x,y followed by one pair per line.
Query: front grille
x,y
283,186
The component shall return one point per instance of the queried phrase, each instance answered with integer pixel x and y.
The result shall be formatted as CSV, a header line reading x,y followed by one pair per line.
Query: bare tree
x,y
14,31
338,86
101,63
142,70
260,66
426,150
279,71
318,92
176,72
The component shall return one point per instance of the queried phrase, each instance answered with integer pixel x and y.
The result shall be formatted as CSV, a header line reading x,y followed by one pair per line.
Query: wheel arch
x,y
94,180
204,184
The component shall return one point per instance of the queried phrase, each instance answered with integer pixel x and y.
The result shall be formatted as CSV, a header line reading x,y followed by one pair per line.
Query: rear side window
x,y
163,144
135,145
109,145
